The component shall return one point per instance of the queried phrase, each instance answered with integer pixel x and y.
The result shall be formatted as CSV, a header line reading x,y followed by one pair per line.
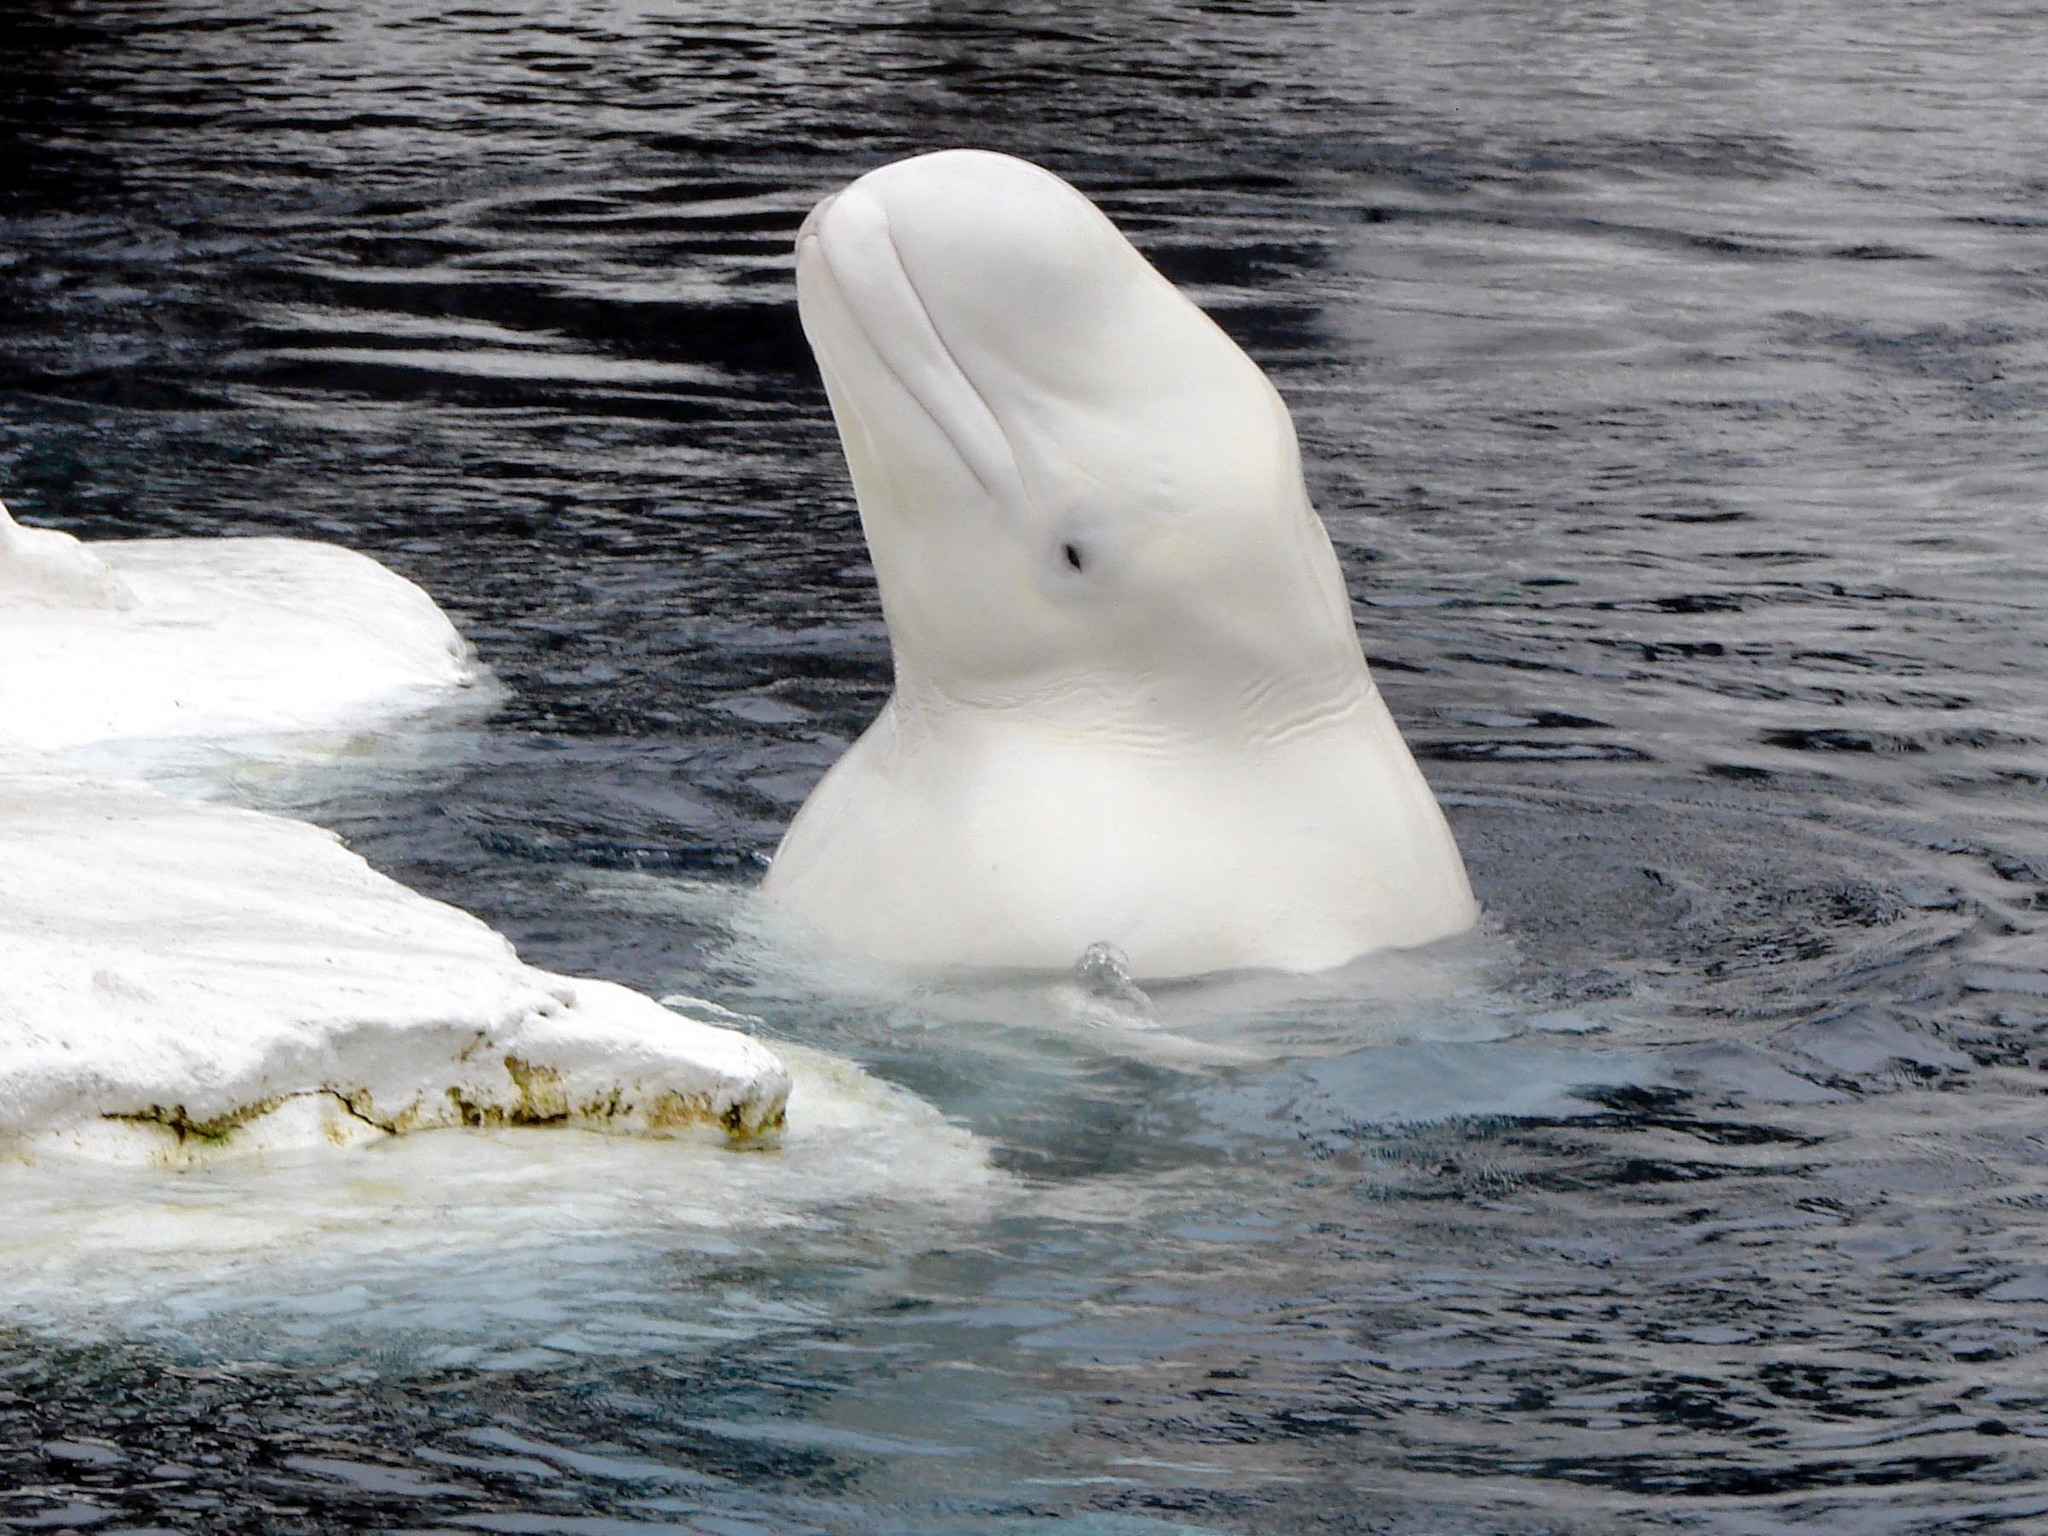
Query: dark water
x,y
1674,380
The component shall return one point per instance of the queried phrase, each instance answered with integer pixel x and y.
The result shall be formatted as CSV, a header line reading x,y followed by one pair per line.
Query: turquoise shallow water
x,y
1674,383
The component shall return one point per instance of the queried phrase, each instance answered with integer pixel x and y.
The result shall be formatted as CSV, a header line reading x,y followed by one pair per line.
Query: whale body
x,y
1130,706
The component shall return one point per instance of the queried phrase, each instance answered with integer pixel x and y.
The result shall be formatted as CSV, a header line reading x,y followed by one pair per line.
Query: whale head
x,y
1066,471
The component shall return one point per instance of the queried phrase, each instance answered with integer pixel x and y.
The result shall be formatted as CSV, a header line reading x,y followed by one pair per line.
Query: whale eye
x,y
1073,554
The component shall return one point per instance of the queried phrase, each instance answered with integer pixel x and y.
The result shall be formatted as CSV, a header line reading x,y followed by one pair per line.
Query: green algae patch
x,y
183,1128
175,1136
532,1094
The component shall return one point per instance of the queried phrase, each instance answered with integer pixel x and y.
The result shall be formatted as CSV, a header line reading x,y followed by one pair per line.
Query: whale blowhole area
x,y
1073,556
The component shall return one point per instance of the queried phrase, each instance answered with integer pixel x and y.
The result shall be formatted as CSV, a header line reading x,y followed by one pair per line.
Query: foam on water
x,y
497,1248
1454,991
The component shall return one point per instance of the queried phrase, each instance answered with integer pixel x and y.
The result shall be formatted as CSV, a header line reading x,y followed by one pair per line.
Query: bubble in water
x,y
1104,973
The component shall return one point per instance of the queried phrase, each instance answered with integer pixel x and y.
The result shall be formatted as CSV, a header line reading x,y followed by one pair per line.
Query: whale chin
x,y
1130,706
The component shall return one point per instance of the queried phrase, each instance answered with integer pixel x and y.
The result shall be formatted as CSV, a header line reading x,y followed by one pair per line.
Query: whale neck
x,y
42,568
1169,710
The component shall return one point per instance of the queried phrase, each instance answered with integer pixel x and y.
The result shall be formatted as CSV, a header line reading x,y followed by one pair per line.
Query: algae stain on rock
x,y
542,1095
171,1136
542,1099
183,1127
531,1094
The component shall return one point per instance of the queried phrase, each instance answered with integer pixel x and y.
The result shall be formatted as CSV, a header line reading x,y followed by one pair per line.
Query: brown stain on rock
x,y
539,1097
181,1125
542,1099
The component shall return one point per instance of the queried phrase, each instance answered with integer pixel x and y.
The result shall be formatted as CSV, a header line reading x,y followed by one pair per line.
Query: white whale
x,y
1130,706
178,640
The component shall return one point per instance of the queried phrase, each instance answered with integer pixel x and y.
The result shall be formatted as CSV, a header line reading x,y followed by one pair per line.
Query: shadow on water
x,y
1673,382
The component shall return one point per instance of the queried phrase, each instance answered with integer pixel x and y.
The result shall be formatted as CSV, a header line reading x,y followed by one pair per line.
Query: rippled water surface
x,y
1674,381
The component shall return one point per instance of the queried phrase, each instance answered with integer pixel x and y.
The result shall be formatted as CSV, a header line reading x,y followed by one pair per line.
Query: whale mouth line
x,y
998,470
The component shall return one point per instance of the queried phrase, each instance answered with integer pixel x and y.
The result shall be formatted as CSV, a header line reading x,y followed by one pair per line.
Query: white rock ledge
x,y
181,980
176,639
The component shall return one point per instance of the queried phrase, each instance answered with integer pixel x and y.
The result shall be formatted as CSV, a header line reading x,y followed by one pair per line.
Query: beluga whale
x,y
1130,705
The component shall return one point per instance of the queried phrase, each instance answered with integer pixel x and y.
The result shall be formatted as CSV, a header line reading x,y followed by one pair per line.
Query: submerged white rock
x,y
181,639
178,979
